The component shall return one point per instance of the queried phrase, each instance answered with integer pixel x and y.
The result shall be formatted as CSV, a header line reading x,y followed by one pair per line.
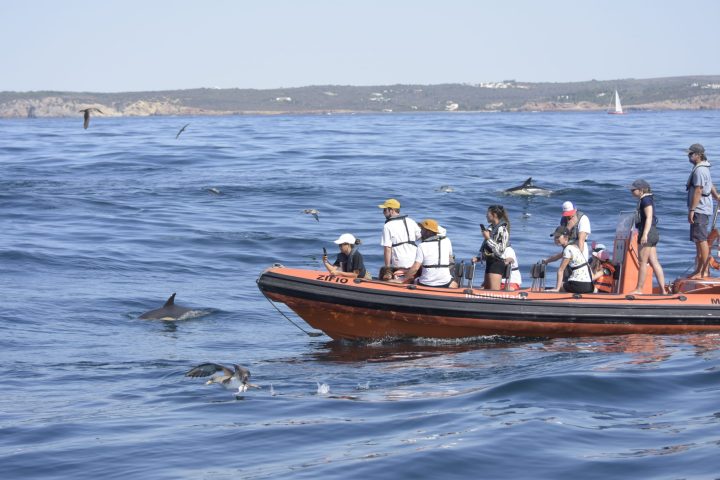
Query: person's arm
x,y
552,258
697,195
387,252
582,236
561,274
715,193
410,272
328,265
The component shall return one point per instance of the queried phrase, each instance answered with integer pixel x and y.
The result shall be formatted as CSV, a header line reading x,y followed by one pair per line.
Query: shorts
x,y
653,237
698,229
495,265
578,287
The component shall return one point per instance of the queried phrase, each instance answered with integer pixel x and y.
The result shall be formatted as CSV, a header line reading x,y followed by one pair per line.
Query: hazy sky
x,y
129,45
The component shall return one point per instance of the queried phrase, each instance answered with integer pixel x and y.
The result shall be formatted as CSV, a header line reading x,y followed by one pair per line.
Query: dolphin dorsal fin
x,y
170,301
527,182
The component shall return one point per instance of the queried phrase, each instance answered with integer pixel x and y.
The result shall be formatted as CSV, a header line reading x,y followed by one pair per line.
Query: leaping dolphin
x,y
169,311
528,189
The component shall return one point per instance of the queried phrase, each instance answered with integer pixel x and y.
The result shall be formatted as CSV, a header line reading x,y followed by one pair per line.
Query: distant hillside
x,y
699,92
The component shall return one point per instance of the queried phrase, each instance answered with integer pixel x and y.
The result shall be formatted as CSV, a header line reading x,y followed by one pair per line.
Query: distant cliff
x,y
692,93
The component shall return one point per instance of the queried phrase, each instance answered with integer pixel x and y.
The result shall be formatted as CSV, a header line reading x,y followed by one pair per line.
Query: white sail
x,y
618,107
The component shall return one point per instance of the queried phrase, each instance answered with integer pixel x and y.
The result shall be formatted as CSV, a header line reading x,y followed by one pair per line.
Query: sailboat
x,y
618,107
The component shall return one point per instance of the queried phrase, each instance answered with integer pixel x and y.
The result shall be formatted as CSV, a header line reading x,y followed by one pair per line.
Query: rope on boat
x,y
309,334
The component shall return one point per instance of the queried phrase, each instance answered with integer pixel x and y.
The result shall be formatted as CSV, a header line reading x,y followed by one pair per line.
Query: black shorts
x,y
653,237
698,229
578,287
494,265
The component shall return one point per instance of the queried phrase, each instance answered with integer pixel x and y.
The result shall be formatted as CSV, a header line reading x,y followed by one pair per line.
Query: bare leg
x,y
657,268
494,280
701,260
643,255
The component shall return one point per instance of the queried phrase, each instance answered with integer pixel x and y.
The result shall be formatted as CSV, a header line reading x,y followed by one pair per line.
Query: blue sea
x,y
100,225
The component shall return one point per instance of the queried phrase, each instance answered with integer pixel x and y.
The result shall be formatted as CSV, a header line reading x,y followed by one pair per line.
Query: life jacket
x,y
438,239
606,282
407,230
690,184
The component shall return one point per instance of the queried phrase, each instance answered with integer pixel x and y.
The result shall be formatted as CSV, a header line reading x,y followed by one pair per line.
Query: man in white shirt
x,y
578,225
399,235
433,255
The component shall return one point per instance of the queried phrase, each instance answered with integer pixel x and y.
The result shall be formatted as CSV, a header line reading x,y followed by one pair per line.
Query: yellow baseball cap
x,y
390,203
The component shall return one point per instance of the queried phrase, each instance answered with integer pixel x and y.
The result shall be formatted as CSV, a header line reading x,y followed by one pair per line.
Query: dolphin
x,y
528,189
169,311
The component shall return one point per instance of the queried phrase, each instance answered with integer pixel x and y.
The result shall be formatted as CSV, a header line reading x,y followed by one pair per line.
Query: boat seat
x,y
537,272
469,274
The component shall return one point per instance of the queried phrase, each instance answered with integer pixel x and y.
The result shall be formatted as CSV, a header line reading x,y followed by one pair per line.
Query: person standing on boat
x,y
399,235
434,255
349,262
580,278
699,188
648,236
492,250
578,224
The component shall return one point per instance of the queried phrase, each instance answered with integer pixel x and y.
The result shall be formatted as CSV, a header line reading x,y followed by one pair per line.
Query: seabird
x,y
86,117
181,130
239,374
313,212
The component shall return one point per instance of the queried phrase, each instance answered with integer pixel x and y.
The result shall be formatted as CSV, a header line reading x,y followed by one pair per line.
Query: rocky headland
x,y
673,93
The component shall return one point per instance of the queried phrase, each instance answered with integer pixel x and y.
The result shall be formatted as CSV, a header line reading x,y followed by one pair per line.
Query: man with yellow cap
x,y
399,235
433,255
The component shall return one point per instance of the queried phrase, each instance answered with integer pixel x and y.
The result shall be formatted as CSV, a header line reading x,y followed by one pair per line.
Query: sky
x,y
130,45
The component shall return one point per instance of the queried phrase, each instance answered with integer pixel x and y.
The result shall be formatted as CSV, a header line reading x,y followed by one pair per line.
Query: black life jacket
x,y
438,239
407,230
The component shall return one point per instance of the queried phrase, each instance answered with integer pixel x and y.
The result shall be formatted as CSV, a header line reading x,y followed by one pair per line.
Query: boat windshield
x,y
623,232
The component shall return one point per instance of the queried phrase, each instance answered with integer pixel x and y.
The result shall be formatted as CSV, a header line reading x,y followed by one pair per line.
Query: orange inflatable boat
x,y
360,309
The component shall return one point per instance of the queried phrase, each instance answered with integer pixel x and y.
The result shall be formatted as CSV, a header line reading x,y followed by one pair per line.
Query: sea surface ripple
x,y
100,225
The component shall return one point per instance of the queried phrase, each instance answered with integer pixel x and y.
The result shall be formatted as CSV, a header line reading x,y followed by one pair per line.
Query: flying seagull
x,y
86,117
313,212
239,374
181,130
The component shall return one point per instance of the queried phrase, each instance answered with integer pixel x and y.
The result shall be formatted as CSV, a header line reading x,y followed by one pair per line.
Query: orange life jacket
x,y
606,282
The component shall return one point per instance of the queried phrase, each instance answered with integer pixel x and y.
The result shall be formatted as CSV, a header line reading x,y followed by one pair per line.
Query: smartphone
x,y
324,252
482,227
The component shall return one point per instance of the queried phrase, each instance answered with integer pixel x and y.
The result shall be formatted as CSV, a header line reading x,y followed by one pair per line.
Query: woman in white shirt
x,y
580,280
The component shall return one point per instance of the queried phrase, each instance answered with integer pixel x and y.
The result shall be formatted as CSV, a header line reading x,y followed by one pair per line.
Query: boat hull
x,y
361,309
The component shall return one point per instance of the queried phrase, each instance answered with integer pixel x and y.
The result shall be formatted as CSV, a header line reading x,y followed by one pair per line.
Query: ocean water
x,y
100,225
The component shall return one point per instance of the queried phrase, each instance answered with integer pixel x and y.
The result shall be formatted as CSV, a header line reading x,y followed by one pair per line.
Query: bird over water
x,y
238,374
86,116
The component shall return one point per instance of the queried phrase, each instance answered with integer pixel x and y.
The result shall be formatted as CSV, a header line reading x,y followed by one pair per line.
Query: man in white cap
x,y
579,226
400,233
